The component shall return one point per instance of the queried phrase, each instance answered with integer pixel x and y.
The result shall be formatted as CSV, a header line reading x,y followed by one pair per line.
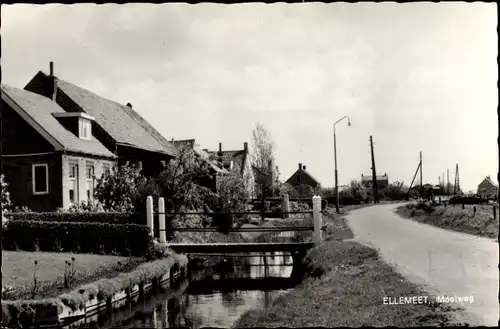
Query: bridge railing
x,y
278,232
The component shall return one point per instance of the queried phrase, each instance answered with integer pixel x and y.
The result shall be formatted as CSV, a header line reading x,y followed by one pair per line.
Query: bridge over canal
x,y
297,248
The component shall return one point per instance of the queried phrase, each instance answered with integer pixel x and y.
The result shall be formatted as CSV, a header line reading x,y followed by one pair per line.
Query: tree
x,y
118,190
262,154
6,202
232,196
180,182
286,188
357,190
394,191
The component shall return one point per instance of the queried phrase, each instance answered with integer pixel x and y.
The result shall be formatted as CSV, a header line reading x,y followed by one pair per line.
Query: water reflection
x,y
215,297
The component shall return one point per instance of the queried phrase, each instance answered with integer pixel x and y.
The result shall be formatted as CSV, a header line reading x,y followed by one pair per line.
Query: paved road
x,y
445,262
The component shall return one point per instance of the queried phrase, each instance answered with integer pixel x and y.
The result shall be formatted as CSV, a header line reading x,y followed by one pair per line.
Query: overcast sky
x,y
416,76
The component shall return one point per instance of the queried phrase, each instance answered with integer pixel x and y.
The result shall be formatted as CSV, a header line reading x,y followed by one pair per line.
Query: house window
x,y
298,179
40,179
85,129
73,183
106,168
89,181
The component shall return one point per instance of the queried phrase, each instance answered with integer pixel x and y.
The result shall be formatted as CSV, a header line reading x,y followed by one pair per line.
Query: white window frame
x,y
33,178
75,183
85,126
89,181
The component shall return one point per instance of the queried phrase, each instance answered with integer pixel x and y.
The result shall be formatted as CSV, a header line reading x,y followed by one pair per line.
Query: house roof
x,y
489,181
301,172
378,177
38,111
237,156
184,142
191,143
121,122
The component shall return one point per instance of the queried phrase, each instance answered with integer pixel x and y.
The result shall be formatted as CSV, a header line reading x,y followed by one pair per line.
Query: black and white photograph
x,y
249,165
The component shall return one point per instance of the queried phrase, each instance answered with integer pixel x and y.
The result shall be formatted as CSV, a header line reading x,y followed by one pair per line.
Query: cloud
x,y
405,73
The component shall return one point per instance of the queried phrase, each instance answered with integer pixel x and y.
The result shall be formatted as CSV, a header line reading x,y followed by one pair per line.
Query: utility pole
x,y
456,188
421,177
448,181
374,173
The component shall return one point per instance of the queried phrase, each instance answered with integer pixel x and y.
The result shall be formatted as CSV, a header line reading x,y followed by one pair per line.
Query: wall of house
x,y
29,141
81,177
151,162
485,188
18,173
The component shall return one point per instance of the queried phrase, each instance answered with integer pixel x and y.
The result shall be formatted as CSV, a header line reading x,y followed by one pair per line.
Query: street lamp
x,y
335,158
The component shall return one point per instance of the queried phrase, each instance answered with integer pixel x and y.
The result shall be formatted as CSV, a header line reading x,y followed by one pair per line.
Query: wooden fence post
x,y
149,214
317,219
287,205
161,216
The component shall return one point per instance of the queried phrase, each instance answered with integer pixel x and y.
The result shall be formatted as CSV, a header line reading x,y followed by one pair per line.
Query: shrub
x,y
84,217
117,190
6,203
78,237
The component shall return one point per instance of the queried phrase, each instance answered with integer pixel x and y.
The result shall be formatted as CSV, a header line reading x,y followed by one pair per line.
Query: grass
x,y
100,286
344,286
457,219
18,270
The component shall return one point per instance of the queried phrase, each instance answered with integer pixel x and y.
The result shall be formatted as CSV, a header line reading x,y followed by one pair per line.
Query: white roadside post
x,y
149,214
287,205
161,217
317,219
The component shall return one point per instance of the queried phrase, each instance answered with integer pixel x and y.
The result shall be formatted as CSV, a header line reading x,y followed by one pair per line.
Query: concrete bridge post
x,y
161,216
149,214
287,205
317,219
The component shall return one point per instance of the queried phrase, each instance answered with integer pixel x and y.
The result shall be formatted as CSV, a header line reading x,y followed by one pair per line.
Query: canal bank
x,y
344,285
212,297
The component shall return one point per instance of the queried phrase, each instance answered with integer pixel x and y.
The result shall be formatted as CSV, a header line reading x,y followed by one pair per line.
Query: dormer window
x,y
79,123
85,127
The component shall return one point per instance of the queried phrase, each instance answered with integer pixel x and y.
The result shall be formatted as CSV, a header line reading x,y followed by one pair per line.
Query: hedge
x,y
90,217
77,237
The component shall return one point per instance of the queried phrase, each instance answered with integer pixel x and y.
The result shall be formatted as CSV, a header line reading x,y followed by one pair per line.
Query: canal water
x,y
216,296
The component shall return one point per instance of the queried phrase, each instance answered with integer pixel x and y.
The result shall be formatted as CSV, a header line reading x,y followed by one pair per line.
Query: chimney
x,y
300,165
129,105
304,167
245,146
53,82
220,147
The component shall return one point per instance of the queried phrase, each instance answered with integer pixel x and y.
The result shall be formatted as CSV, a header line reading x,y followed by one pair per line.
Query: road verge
x,y
345,285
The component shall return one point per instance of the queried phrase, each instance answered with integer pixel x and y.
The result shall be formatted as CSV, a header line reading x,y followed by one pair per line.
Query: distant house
x,y
487,188
238,160
215,168
118,127
51,157
302,177
382,181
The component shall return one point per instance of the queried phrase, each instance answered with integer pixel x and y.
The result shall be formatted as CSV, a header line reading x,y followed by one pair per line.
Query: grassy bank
x,y
22,311
455,218
19,272
345,286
